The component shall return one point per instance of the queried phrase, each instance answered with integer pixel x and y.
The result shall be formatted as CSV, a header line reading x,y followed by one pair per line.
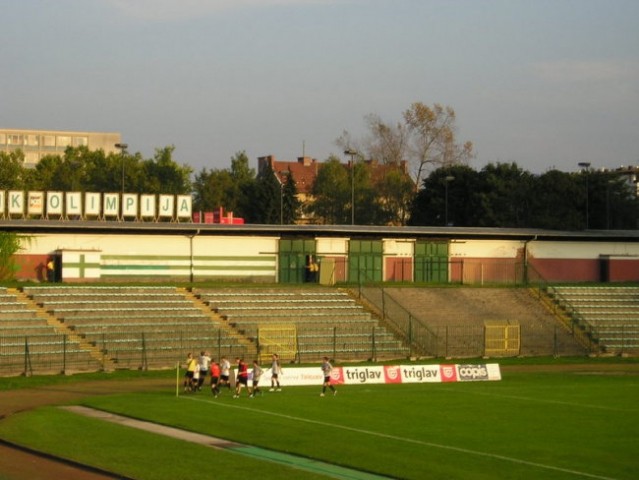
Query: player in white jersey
x,y
276,371
327,368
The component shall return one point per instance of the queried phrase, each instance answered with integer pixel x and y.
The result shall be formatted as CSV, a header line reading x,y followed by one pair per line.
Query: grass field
x,y
557,424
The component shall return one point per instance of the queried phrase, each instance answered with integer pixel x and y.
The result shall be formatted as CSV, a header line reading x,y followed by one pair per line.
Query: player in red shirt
x,y
242,377
215,378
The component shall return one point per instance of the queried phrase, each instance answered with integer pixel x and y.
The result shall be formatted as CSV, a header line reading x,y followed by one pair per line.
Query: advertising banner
x,y
35,203
388,374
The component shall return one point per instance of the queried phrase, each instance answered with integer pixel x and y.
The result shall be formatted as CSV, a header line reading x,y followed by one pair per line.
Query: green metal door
x,y
292,259
365,261
431,262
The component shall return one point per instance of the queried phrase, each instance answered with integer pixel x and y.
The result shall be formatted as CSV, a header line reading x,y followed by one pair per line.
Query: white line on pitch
x,y
542,400
407,440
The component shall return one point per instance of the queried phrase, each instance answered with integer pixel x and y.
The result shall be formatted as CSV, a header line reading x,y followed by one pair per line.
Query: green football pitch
x,y
551,424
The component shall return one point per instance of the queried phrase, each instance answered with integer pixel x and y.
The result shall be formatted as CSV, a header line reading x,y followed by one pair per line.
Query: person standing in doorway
x,y
51,270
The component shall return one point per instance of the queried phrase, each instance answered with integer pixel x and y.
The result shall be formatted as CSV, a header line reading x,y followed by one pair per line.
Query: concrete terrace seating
x,y
457,316
136,326
328,321
27,339
610,313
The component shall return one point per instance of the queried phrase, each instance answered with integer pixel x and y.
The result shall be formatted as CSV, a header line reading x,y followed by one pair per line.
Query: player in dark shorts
x,y
242,377
225,372
257,374
191,366
326,370
215,378
276,371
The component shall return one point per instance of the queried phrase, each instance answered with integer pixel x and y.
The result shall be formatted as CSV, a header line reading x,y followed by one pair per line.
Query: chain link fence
x,y
53,354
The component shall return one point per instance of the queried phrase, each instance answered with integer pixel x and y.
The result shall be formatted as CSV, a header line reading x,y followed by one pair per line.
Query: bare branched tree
x,y
433,139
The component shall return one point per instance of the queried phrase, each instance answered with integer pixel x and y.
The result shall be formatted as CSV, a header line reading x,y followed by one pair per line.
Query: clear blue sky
x,y
543,83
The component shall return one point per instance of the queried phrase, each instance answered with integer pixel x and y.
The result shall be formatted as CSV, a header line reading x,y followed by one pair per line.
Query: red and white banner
x,y
386,374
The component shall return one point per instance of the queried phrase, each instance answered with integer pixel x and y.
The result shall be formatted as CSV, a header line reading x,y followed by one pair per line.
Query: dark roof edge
x,y
129,227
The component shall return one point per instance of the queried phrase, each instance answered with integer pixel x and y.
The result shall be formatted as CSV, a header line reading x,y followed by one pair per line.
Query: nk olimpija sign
x,y
94,205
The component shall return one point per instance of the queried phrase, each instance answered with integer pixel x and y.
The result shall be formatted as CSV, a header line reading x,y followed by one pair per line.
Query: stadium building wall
x,y
279,257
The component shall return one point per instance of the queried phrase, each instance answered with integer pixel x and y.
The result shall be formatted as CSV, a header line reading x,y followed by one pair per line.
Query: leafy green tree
x,y
556,202
395,192
448,195
46,175
332,194
106,173
267,198
163,175
11,170
612,200
211,188
369,201
505,196
10,244
291,205
232,189
242,200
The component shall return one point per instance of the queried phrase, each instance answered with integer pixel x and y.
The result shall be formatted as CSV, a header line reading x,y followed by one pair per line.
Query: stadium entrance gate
x,y
431,262
365,259
292,259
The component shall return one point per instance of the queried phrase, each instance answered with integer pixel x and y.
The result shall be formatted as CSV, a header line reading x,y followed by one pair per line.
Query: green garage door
x,y
292,259
365,261
431,262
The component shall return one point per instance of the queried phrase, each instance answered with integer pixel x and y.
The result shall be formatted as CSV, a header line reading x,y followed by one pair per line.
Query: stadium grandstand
x,y
142,295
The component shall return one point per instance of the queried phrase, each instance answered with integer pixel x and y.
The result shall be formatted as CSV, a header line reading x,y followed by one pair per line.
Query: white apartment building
x,y
37,143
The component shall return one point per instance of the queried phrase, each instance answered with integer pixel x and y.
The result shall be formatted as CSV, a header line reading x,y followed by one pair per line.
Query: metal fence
x,y
52,353
124,349
348,342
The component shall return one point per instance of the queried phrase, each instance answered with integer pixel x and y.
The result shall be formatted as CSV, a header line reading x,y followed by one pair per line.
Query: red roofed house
x,y
305,170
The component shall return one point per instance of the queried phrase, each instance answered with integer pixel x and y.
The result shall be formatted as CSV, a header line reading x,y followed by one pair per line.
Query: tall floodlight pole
x,y
586,168
352,153
122,147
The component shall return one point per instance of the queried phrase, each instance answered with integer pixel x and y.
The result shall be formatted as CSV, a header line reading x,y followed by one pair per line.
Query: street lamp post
x,y
447,180
122,147
586,167
352,153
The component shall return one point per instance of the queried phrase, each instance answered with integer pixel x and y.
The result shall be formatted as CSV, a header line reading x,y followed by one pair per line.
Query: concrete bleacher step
x,y
11,307
610,313
159,319
73,296
26,330
142,326
98,312
112,305
32,290
310,310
